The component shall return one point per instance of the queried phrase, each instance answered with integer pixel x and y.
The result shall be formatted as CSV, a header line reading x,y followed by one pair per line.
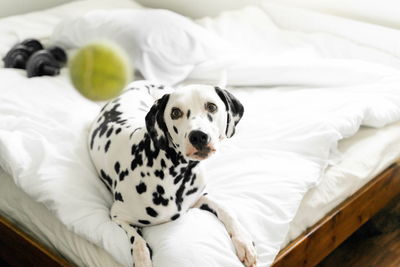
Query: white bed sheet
x,y
363,156
34,218
340,181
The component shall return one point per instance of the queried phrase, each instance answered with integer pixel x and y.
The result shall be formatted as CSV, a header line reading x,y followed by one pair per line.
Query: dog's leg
x,y
140,250
240,237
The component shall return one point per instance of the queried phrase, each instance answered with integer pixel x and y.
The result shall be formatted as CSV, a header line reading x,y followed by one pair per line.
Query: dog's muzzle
x,y
200,141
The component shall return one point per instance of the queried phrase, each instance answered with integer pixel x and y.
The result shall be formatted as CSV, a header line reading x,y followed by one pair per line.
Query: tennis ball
x,y
99,71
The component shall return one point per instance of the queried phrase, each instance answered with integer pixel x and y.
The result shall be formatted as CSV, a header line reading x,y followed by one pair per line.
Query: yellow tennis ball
x,y
100,71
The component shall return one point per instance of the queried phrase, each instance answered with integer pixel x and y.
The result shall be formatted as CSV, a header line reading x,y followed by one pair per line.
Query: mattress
x,y
360,158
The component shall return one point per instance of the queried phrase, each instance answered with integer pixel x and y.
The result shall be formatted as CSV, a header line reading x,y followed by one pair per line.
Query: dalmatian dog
x,y
148,155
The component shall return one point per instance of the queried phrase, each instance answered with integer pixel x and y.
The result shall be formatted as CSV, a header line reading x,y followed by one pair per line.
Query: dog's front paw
x,y
245,249
141,254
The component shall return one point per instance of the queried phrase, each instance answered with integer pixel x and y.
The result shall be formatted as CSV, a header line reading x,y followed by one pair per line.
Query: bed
x,y
327,210
67,248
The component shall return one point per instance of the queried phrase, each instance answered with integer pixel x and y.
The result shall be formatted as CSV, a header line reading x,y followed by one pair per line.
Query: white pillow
x,y
163,45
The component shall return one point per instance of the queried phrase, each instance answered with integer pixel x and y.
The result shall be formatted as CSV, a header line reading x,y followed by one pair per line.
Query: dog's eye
x,y
211,107
176,113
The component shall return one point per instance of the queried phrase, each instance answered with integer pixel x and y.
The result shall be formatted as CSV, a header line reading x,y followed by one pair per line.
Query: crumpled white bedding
x,y
340,180
363,156
281,148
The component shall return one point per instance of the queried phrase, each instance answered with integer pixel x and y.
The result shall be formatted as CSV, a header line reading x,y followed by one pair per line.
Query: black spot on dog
x,y
175,130
159,174
107,146
186,177
132,239
193,179
110,116
160,189
131,251
106,179
207,208
158,199
161,87
137,160
123,174
178,178
176,216
142,174
209,117
151,155
109,132
144,222
118,197
139,230
172,171
115,183
105,183
116,167
191,191
163,165
133,149
150,250
117,131
141,188
150,211
188,114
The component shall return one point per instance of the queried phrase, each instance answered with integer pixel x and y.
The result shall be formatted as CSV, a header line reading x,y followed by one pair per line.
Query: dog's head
x,y
193,120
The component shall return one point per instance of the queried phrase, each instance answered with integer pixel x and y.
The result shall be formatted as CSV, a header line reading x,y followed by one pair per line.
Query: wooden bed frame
x,y
19,249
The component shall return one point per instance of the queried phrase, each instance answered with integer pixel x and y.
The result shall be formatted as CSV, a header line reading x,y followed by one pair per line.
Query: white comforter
x,y
285,140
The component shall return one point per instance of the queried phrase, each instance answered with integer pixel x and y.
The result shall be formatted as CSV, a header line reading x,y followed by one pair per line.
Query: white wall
x,y
12,7
384,12
197,8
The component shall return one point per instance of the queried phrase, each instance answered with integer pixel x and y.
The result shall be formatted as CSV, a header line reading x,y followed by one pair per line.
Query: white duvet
x,y
283,143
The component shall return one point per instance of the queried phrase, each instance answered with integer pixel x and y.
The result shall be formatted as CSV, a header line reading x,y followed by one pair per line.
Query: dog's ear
x,y
155,123
234,110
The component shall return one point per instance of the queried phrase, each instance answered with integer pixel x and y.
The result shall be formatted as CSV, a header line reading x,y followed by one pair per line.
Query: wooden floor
x,y
376,244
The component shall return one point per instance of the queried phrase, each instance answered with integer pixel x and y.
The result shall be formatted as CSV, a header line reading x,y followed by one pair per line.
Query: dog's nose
x,y
198,139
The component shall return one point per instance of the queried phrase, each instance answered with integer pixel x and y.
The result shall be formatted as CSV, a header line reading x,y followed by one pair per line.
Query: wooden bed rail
x,y
316,243
20,249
